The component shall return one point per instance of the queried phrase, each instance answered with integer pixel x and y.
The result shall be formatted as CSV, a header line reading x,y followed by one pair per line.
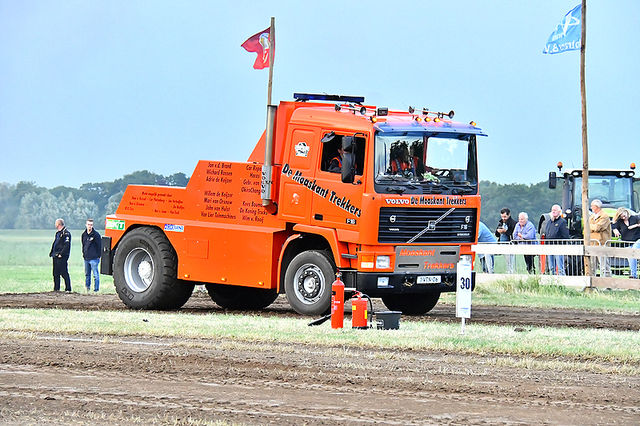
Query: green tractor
x,y
615,188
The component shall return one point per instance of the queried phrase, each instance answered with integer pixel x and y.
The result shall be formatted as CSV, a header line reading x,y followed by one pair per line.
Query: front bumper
x,y
376,284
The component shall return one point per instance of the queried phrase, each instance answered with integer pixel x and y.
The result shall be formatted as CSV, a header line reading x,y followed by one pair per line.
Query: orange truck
x,y
388,198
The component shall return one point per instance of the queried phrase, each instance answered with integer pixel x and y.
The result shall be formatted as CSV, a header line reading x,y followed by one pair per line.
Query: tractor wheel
x,y
411,304
241,298
307,282
145,271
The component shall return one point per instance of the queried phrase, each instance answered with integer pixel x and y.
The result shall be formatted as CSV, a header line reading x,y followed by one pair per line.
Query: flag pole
x,y
585,145
267,172
272,39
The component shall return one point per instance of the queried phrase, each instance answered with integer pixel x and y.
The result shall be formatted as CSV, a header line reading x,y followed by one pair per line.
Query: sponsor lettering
x,y
439,265
173,228
407,252
333,197
117,225
432,201
397,201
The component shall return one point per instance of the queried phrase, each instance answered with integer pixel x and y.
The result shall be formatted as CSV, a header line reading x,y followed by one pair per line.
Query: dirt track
x,y
55,379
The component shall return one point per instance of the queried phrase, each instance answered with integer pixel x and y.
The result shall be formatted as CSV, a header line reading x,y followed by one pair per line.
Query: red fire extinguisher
x,y
337,302
359,315
359,312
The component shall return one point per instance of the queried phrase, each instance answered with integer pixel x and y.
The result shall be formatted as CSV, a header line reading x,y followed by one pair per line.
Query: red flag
x,y
261,44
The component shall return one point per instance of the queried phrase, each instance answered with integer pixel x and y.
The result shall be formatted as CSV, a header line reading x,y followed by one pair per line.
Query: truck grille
x,y
399,225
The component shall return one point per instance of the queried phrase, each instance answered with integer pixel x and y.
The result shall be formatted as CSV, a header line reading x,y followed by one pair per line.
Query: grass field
x,y
25,265
618,347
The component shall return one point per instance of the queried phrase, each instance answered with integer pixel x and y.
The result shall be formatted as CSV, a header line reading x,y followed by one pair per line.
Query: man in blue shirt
x,y
525,231
485,236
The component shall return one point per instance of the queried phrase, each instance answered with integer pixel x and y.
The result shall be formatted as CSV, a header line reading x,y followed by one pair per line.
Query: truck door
x,y
298,175
341,207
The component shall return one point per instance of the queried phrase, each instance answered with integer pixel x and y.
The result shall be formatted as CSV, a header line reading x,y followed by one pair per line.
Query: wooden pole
x,y
585,145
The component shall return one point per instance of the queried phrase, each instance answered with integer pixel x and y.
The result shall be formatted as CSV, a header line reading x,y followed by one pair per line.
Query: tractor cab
x,y
615,188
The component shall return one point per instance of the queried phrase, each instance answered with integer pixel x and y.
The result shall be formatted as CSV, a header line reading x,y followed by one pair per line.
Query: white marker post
x,y
463,291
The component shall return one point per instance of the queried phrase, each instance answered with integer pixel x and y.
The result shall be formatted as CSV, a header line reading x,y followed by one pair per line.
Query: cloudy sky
x,y
93,90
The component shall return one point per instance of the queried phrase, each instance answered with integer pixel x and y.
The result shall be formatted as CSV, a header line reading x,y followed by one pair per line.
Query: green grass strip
x,y
583,344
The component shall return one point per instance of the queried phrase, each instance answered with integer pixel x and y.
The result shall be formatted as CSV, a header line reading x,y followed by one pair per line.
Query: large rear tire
x,y
241,298
307,282
411,304
145,272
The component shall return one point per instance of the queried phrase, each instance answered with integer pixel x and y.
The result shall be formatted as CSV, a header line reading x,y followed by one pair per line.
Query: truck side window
x,y
331,159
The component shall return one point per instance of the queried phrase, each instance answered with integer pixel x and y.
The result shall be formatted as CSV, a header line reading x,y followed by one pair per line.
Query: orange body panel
x,y
209,223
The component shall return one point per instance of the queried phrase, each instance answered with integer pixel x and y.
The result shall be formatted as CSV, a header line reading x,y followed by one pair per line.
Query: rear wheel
x,y
411,304
241,298
307,282
145,271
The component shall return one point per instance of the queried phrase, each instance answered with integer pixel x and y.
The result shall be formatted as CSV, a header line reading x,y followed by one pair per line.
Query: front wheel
x,y
145,271
307,282
411,304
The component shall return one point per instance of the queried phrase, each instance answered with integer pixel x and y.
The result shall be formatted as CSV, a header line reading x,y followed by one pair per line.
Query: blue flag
x,y
568,33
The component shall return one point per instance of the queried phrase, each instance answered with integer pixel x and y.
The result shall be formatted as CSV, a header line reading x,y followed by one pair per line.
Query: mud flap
x,y
106,258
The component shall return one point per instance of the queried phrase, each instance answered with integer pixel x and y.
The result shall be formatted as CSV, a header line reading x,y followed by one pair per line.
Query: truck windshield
x,y
425,163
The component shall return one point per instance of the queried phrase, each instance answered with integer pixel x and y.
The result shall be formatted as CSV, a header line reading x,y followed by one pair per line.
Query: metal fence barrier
x,y
611,264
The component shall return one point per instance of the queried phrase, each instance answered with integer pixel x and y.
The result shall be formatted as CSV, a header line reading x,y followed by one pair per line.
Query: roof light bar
x,y
303,97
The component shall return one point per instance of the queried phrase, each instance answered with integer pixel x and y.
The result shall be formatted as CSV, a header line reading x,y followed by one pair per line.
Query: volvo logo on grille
x,y
392,218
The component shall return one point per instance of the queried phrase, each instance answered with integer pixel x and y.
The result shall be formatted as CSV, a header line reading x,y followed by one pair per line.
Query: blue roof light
x,y
324,97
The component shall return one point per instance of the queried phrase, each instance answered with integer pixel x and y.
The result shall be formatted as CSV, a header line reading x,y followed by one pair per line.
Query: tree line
x,y
28,206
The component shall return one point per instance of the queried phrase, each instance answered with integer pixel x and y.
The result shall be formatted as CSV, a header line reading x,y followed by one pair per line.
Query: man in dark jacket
x,y
504,232
60,253
91,249
556,230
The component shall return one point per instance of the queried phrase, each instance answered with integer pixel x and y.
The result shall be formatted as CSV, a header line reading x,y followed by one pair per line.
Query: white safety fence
x,y
610,265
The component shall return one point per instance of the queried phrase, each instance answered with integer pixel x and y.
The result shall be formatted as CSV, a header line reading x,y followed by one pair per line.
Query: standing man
x,y
504,232
485,236
556,230
91,250
600,225
60,253
525,231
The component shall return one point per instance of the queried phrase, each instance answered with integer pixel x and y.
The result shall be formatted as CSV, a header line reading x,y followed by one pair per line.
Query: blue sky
x,y
93,90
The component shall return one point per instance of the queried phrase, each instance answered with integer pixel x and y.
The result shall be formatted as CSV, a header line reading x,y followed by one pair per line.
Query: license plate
x,y
435,279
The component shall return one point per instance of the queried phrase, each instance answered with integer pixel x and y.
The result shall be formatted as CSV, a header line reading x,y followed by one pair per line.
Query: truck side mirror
x,y
348,167
328,137
348,144
553,180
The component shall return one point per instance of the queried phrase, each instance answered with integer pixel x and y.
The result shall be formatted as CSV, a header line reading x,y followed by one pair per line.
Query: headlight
x,y
383,262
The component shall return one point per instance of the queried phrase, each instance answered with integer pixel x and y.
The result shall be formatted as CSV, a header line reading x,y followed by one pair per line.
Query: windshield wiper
x,y
397,189
463,189
401,189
